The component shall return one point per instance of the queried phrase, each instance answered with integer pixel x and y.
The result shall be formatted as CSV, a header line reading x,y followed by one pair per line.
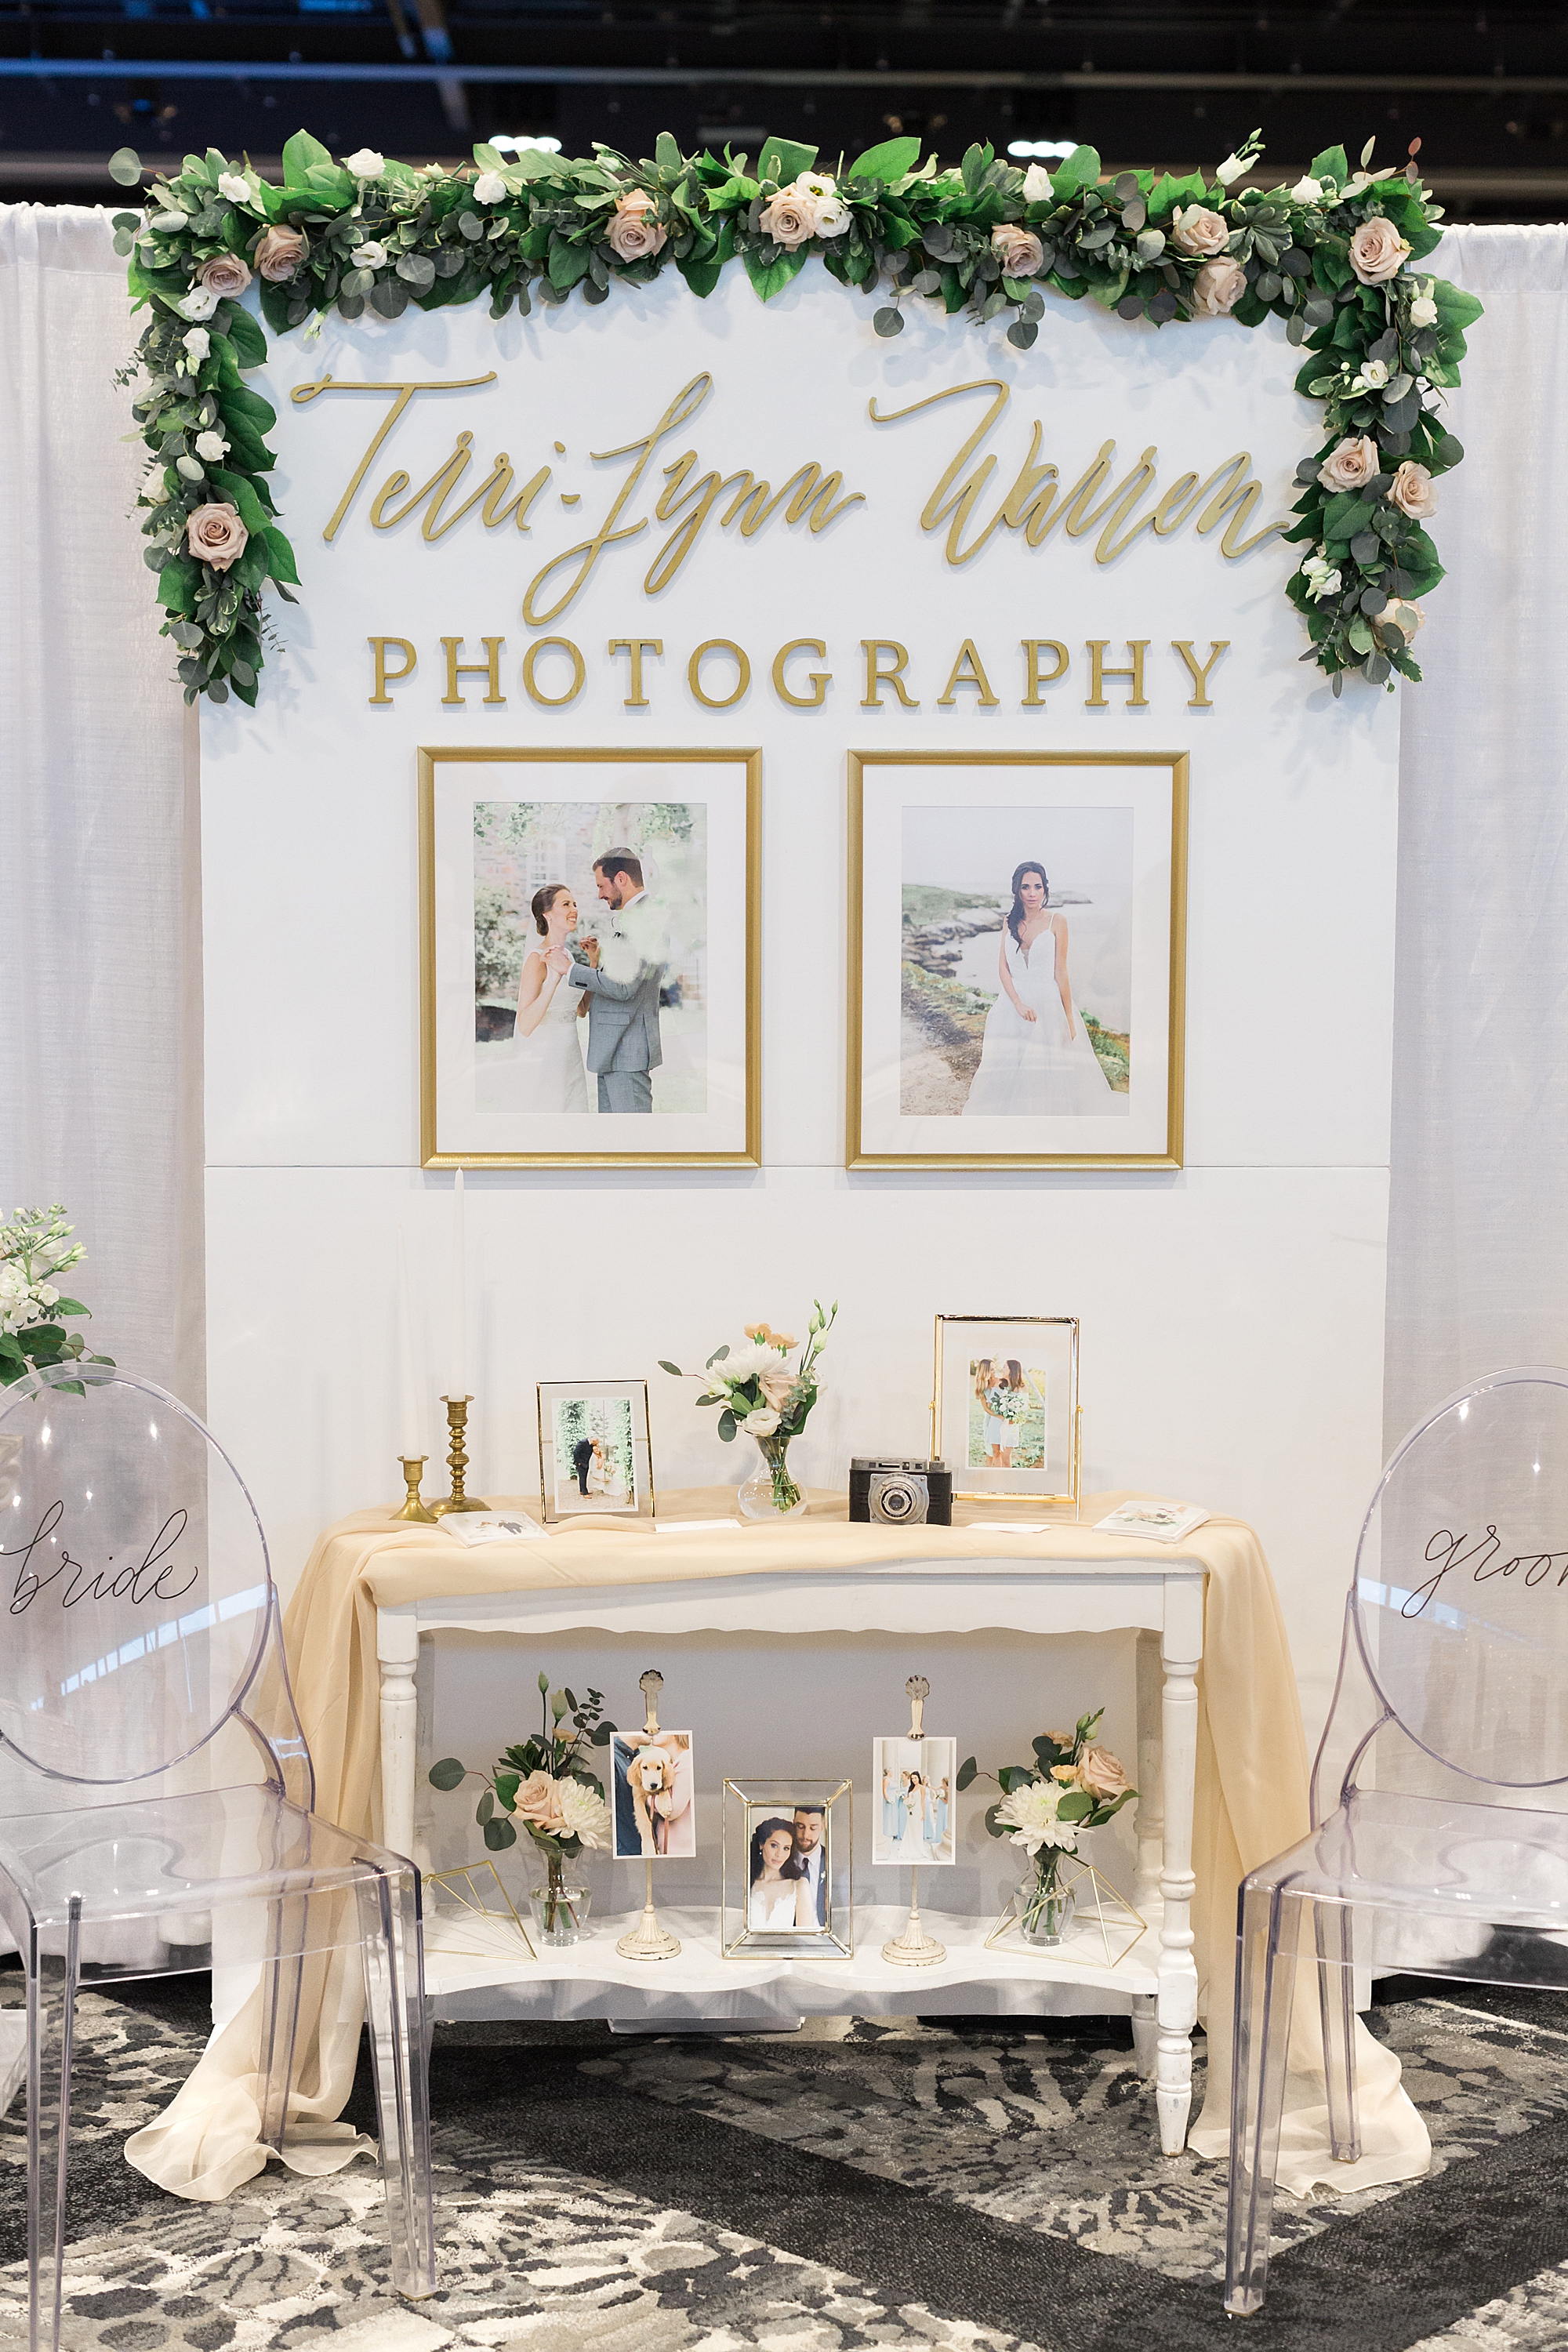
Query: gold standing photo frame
x,y
1017,959
777,1896
589,958
1005,1415
596,1455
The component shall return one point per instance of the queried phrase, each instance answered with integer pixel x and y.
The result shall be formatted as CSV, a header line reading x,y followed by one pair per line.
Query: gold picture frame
x,y
438,1150
639,1502
1004,1490
834,1937
1165,1125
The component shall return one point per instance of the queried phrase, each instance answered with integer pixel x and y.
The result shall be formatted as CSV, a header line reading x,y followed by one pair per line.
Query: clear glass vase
x,y
771,1493
1046,1905
559,1911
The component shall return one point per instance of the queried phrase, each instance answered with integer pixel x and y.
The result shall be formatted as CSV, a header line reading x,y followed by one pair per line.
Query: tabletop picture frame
x,y
641,868
596,1455
749,1812
1017,959
1005,1417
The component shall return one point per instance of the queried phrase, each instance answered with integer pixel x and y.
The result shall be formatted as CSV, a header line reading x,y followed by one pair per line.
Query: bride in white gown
x,y
544,1070
1036,1057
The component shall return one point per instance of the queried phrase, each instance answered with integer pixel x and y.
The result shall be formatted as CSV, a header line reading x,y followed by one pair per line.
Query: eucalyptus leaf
x,y
447,1773
887,321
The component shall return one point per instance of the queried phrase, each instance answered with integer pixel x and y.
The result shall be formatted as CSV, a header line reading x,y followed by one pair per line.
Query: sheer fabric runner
x,y
1251,1798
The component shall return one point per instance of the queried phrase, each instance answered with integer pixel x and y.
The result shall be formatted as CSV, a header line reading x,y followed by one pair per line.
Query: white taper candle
x,y
410,1403
458,1349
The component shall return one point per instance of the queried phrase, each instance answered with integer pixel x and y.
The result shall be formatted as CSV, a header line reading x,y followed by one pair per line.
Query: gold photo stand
x,y
488,1942
1111,1914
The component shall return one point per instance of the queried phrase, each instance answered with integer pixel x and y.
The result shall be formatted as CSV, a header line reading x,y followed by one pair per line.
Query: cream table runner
x,y
1251,1793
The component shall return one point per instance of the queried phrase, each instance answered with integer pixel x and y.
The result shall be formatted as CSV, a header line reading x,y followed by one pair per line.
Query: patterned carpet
x,y
913,2187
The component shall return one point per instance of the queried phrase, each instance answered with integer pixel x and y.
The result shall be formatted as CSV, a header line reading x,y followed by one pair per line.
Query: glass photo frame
x,y
1005,1408
588,926
594,1457
778,1896
1017,952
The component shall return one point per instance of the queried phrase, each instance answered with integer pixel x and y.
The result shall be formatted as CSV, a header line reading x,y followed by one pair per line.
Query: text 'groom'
x,y
624,1047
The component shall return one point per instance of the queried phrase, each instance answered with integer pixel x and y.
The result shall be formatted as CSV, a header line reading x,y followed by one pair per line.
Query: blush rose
x,y
1195,230
790,219
225,275
1413,491
1351,466
1218,288
216,535
1377,251
1018,250
280,253
632,232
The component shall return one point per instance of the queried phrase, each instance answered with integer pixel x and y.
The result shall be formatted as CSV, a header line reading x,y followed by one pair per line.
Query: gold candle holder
x,y
457,1460
414,1506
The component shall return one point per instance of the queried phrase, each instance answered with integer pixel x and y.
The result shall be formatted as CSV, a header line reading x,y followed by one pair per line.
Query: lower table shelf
x,y
591,1979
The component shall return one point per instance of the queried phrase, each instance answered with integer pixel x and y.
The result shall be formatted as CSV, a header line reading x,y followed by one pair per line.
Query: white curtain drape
x,y
100,852
1478,1264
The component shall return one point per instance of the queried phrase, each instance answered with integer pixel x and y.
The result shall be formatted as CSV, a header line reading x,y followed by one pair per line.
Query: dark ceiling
x,y
1485,89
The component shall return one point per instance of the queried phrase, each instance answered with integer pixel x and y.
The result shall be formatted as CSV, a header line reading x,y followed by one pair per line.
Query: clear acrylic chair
x,y
156,1787
1440,1837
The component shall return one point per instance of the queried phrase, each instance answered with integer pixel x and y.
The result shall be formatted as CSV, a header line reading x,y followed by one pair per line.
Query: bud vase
x,y
771,1493
1046,1906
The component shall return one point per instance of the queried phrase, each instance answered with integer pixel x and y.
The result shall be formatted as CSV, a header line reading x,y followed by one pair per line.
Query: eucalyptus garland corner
x,y
1334,257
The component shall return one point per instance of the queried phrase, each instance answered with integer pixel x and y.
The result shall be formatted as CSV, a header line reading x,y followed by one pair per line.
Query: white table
x,y
1159,1597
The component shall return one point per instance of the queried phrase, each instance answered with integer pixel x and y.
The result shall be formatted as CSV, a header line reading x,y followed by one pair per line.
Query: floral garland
x,y
1332,257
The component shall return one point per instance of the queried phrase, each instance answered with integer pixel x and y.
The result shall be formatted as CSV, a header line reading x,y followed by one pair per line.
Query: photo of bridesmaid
x,y
913,1821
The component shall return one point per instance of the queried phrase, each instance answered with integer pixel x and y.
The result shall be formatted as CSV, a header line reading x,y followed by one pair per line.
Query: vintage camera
x,y
900,1494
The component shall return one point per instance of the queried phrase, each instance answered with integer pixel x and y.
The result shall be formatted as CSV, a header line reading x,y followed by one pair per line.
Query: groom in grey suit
x,y
624,1046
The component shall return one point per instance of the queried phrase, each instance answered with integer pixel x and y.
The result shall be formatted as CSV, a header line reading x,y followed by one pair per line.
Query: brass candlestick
x,y
457,1460
414,1506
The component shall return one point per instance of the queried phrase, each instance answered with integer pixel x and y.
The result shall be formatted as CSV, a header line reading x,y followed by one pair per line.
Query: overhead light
x,y
523,146
1059,148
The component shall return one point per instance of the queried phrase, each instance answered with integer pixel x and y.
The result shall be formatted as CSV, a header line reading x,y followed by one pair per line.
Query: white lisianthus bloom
x,y
364,163
1037,184
199,303
1424,310
1231,169
489,188
198,342
832,216
154,488
1308,191
761,1423
231,185
211,447
1030,1816
192,468
369,256
1322,578
585,1813
814,183
1372,377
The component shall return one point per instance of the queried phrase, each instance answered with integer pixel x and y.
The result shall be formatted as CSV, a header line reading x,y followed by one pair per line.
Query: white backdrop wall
x,y
1232,1311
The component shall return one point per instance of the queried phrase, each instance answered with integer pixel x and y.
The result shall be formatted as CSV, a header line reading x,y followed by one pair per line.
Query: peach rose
x,y
1101,1774
538,1803
777,1386
790,219
225,275
632,233
1351,466
1194,230
280,253
216,535
1218,288
1377,251
1018,250
1413,491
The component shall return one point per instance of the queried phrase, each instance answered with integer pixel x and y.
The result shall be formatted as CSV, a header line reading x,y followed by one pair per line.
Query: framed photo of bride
x,y
1004,1409
589,958
594,1450
1018,953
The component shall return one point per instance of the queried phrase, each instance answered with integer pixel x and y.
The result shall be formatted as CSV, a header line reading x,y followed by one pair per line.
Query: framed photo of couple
x,y
788,1883
1005,1408
589,958
1017,952
594,1457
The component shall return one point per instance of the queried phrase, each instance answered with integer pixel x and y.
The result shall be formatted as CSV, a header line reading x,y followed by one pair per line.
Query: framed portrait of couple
x,y
594,1457
1017,956
789,1868
588,958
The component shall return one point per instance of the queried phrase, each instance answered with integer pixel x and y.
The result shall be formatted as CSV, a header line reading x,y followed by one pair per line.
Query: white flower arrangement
x,y
762,1394
35,1247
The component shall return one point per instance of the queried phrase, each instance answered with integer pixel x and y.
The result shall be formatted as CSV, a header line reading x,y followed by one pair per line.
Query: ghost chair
x,y
1440,1790
156,1792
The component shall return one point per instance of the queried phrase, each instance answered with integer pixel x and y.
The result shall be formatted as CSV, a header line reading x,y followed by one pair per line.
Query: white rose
x,y
211,447
1037,188
832,216
1231,169
364,163
192,468
1374,375
1423,311
489,188
198,342
369,256
199,303
154,488
1308,191
761,1423
231,185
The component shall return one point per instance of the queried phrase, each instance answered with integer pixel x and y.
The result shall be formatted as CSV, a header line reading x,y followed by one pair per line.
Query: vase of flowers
x,y
36,1248
544,1783
762,1395
1073,1785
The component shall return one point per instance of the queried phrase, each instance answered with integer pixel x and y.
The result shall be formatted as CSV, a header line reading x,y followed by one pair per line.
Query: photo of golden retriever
x,y
653,1795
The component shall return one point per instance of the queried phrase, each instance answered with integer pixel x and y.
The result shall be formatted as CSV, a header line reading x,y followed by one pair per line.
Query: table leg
x,y
1178,1996
398,1650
